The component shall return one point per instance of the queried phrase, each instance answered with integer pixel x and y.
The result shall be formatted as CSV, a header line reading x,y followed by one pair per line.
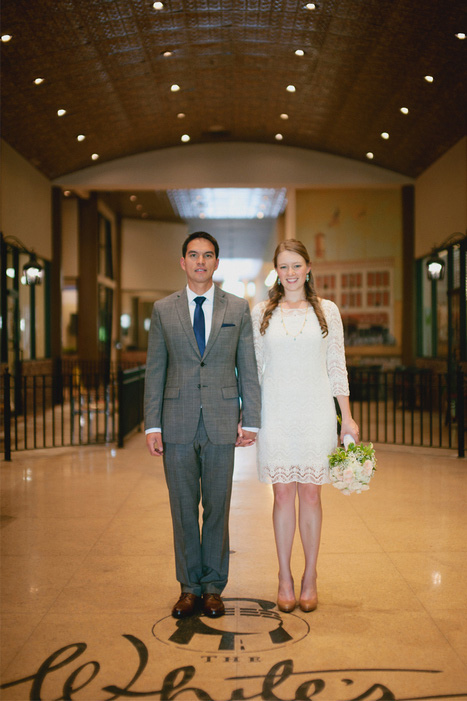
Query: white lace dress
x,y
300,372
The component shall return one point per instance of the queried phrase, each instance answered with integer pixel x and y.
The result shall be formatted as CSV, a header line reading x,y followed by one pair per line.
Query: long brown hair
x,y
277,291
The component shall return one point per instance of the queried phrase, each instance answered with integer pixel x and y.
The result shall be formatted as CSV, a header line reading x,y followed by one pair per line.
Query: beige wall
x,y
441,200
151,252
25,203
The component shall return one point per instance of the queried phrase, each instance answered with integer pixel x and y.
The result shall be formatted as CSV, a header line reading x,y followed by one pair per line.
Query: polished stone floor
x,y
87,584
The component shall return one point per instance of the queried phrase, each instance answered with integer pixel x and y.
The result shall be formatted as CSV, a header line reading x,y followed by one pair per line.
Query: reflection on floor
x,y
88,584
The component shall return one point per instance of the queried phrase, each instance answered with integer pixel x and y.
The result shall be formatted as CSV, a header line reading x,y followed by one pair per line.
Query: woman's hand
x,y
351,427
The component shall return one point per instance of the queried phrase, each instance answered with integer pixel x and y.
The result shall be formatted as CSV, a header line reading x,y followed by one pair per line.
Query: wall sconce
x,y
435,265
33,271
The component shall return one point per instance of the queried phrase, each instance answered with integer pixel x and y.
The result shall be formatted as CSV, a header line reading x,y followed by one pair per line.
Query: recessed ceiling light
x,y
139,207
299,52
185,138
278,137
284,116
38,81
167,53
384,135
461,35
181,115
158,5
405,110
67,193
61,112
260,215
81,137
133,198
310,6
291,88
175,87
429,78
370,155
6,38
95,156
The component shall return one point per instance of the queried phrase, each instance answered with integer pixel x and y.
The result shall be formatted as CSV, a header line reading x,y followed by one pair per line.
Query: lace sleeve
x,y
335,359
257,317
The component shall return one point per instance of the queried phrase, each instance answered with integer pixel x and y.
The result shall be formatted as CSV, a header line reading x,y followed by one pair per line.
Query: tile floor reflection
x,y
87,585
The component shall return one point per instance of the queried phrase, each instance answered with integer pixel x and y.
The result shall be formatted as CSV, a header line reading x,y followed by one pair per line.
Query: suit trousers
x,y
194,472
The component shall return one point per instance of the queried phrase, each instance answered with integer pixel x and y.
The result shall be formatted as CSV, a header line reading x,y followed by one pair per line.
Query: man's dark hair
x,y
200,235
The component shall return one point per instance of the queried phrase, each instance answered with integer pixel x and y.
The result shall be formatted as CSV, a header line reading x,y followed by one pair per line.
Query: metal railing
x,y
406,407
70,409
410,407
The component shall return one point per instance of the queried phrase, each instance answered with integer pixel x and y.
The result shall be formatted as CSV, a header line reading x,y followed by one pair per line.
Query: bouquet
x,y
352,467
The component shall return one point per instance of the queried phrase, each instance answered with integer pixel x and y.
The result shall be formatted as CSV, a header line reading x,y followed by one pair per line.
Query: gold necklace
x,y
303,325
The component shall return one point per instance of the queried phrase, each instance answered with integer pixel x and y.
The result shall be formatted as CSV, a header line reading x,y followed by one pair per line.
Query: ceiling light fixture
x,y
167,53
61,112
461,35
290,88
133,198
278,137
80,137
310,6
284,116
181,115
38,81
370,155
404,110
260,215
158,5
429,78
185,138
95,156
384,135
299,52
175,87
6,38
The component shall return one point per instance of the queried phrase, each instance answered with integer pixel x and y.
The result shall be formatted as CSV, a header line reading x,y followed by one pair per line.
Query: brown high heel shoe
x,y
307,605
286,605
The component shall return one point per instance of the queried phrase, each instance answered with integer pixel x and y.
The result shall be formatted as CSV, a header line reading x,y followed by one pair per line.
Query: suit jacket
x,y
179,381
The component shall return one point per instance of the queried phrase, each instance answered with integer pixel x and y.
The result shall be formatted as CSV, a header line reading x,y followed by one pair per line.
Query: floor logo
x,y
249,625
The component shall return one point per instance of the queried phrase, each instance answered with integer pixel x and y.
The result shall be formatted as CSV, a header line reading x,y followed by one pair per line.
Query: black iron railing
x,y
410,407
70,409
406,407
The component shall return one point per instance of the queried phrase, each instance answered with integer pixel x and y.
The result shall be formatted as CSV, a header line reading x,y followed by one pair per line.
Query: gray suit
x,y
196,401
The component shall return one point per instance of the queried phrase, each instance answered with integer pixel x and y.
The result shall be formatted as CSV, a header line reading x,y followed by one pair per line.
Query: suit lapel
x,y
218,313
181,305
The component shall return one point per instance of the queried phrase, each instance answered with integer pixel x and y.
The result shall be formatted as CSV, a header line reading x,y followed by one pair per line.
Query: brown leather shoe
x,y
187,605
213,606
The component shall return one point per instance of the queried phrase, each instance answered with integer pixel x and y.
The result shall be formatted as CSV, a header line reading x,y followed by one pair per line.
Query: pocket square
x,y
224,325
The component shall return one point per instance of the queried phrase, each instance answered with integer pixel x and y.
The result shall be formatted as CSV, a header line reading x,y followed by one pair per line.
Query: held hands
x,y
244,438
154,443
351,427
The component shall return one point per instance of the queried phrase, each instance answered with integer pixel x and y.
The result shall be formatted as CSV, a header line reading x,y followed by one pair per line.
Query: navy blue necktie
x,y
198,324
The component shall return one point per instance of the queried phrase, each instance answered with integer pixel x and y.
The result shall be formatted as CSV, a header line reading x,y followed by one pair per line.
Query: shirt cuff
x,y
153,430
248,428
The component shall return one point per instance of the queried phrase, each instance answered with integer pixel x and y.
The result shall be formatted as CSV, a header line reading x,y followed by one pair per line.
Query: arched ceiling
x,y
103,62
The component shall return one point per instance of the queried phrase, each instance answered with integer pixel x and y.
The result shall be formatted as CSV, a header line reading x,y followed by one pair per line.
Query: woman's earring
x,y
307,277
278,282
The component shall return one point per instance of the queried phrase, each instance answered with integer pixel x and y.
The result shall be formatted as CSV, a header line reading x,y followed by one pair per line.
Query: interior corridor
x,y
87,586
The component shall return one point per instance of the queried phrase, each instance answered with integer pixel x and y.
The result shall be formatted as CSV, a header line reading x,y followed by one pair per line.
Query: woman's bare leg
x,y
283,518
310,518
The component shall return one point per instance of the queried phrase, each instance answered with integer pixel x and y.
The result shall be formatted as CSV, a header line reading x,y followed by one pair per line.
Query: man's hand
x,y
154,443
244,438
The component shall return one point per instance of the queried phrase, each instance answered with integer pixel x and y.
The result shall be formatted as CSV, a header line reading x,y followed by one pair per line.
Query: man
x,y
200,365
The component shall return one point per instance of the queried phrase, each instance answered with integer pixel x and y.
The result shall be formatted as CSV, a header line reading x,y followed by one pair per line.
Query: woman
x,y
299,347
